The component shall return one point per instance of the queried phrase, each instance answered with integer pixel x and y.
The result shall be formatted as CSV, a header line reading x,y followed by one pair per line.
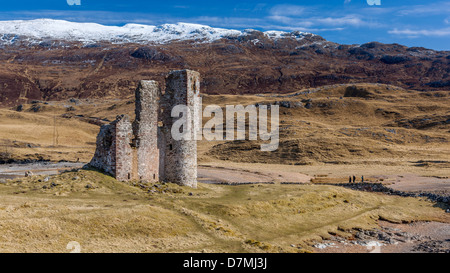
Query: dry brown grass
x,y
390,126
26,135
335,138
386,126
109,216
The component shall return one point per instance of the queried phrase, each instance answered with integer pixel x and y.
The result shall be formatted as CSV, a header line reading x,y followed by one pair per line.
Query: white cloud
x,y
429,9
422,32
347,20
287,10
294,15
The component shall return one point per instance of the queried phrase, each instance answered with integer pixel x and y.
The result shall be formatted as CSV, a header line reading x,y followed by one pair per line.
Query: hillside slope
x,y
40,63
334,125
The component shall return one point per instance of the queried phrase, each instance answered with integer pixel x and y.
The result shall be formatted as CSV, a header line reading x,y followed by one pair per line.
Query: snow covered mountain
x,y
48,29
56,60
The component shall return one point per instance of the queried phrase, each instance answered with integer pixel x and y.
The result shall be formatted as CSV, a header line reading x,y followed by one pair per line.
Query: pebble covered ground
x,y
419,237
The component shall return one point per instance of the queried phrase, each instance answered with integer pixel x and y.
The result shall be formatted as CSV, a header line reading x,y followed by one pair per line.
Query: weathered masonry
x,y
145,149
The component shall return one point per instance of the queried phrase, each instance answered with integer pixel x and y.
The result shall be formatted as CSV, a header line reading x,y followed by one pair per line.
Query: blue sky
x,y
412,23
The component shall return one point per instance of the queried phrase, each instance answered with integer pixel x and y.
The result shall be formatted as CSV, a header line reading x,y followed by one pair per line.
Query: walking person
x,y
362,179
350,179
354,179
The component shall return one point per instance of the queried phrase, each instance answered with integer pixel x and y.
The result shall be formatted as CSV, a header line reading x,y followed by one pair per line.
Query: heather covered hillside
x,y
56,60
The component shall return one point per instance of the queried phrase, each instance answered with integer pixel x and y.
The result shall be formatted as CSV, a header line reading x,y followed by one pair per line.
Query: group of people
x,y
352,179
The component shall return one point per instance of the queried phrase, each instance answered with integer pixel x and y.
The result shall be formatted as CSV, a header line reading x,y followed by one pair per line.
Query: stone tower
x,y
179,157
145,131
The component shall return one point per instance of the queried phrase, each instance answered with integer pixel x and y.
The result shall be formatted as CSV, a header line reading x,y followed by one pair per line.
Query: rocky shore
x,y
421,237
443,197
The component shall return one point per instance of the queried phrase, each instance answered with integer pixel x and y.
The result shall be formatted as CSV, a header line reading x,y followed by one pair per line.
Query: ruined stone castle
x,y
145,149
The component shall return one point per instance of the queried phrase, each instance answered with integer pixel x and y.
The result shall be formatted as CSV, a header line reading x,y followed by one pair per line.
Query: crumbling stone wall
x,y
114,154
145,150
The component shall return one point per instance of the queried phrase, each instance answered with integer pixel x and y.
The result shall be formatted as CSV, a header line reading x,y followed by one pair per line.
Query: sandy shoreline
x,y
232,175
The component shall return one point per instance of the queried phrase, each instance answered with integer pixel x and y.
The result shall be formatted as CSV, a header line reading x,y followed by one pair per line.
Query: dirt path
x,y
208,174
233,175
415,183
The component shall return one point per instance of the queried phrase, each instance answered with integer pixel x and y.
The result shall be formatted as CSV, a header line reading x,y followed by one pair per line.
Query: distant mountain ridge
x,y
56,60
49,29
